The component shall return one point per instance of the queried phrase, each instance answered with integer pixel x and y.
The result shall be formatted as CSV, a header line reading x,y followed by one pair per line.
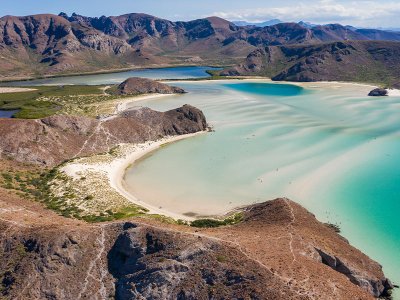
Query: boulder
x,y
378,92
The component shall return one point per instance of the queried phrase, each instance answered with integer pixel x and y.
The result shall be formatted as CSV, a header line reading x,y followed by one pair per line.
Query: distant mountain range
x,y
304,24
47,44
258,24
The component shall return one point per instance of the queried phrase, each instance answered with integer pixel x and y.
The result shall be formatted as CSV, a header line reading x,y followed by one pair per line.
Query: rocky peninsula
x,y
278,251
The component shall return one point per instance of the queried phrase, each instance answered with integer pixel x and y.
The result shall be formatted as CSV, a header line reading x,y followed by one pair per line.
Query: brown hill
x,y
363,61
136,86
52,140
279,251
47,44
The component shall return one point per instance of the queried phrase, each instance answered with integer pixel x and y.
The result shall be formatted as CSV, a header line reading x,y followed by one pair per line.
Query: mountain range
x,y
41,45
360,61
258,24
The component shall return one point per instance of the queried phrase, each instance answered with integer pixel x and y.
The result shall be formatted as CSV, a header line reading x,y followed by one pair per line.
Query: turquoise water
x,y
113,78
328,147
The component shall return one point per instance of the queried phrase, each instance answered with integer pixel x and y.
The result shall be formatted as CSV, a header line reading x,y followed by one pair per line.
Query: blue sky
x,y
364,13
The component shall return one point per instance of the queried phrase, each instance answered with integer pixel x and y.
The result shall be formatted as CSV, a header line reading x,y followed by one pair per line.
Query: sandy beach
x,y
4,90
321,84
114,170
122,104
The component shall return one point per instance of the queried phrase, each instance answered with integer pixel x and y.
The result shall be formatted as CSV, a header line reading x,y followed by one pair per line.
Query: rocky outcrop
x,y
293,250
279,251
378,287
136,85
378,92
156,264
54,139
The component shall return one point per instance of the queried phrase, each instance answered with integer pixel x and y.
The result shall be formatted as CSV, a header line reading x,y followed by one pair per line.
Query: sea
x,y
326,146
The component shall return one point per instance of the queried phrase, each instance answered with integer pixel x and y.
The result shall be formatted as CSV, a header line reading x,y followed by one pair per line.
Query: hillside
x,y
46,44
279,251
52,140
362,61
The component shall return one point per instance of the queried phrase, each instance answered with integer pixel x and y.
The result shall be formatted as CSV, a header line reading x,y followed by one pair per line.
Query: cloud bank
x,y
358,13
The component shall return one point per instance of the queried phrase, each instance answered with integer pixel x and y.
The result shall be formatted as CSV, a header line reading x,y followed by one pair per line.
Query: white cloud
x,y
358,13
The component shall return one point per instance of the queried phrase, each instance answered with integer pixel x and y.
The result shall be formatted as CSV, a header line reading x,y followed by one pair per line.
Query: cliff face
x,y
52,140
279,251
344,61
49,44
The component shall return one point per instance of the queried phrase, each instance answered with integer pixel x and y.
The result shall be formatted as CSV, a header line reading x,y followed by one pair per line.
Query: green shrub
x,y
212,223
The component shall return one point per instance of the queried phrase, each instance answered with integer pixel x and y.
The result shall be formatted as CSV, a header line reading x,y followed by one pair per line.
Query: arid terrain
x,y
278,251
359,61
43,45
61,239
273,250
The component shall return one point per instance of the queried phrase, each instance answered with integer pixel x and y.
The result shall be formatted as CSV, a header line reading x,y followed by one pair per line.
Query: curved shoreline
x,y
114,169
117,174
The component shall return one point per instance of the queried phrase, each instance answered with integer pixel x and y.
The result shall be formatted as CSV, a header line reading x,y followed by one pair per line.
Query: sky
x,y
383,13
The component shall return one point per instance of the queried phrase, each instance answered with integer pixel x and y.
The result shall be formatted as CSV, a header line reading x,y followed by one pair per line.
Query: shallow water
x,y
114,78
328,147
7,113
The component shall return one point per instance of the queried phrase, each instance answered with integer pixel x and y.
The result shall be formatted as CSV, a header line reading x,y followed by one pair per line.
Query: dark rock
x,y
378,92
129,225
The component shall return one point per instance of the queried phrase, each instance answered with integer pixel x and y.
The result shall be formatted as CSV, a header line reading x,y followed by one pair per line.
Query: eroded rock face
x,y
52,140
279,251
378,92
136,85
154,264
378,287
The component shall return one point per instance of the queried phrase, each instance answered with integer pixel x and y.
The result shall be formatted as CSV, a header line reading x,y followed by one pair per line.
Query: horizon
x,y
210,16
364,14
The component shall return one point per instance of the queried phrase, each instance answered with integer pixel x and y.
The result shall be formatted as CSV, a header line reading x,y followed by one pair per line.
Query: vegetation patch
x,y
41,186
212,223
335,227
66,99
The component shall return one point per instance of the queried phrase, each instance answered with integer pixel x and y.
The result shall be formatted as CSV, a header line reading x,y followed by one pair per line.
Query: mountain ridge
x,y
362,61
46,44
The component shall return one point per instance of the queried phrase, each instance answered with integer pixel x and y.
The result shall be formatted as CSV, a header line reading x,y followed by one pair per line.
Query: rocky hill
x,y
137,86
279,251
363,61
52,140
47,44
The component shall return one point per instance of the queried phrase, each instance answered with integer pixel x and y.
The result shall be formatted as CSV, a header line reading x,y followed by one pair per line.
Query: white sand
x,y
4,90
115,171
393,93
123,102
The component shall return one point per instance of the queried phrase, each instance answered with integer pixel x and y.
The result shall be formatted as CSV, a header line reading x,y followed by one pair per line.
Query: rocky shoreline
x,y
52,140
278,250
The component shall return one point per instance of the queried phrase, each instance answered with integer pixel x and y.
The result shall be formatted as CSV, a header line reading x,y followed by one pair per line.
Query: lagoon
x,y
328,147
118,77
